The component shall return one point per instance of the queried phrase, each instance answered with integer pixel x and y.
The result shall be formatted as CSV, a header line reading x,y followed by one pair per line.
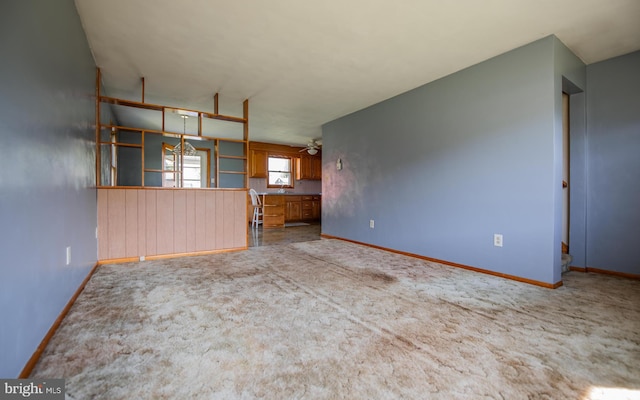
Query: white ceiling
x,y
302,63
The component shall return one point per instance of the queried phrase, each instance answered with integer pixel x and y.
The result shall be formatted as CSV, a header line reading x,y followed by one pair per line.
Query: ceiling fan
x,y
312,147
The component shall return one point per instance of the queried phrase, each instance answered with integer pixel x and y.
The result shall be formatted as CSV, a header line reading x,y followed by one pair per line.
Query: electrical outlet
x,y
142,258
497,240
371,224
68,255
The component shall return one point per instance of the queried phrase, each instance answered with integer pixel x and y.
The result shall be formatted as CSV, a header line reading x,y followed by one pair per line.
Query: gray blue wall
x,y
443,167
440,168
613,164
130,163
47,169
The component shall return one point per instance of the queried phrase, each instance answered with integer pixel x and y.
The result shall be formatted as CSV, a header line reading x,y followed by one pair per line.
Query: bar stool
x,y
257,208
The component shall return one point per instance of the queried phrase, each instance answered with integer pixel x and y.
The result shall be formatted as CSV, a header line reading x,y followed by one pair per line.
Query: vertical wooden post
x,y
215,104
142,160
216,156
143,89
113,156
181,161
98,178
245,136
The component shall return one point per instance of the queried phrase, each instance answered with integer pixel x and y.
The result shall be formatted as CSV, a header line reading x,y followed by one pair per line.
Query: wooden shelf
x,y
224,117
215,155
144,130
122,144
131,103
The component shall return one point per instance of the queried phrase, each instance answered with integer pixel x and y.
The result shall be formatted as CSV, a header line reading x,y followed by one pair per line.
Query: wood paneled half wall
x,y
153,223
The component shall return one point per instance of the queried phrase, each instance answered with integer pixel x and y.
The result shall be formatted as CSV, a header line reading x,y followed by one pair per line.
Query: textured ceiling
x,y
302,63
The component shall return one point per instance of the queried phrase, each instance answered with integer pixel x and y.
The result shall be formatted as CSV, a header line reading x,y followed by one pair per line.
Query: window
x,y
169,159
279,170
192,170
195,169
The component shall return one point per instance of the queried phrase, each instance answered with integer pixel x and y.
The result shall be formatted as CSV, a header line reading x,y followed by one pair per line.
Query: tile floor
x,y
273,236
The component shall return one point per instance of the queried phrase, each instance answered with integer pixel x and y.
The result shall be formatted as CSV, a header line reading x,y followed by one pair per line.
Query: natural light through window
x,y
280,172
194,170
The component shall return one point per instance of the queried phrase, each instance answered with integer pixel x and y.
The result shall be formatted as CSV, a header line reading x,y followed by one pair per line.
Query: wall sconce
x,y
339,164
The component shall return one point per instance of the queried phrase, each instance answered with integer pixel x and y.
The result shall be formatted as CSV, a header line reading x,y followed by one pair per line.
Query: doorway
x,y
566,197
189,171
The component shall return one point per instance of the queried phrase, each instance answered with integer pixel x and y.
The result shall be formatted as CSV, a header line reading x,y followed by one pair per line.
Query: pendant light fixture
x,y
189,150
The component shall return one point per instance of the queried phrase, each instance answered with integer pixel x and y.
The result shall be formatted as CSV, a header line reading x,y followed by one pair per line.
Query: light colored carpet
x,y
334,320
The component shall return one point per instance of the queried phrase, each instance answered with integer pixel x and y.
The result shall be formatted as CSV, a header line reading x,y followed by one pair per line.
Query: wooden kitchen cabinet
x,y
316,168
293,210
316,212
309,167
273,211
307,207
258,159
302,208
311,207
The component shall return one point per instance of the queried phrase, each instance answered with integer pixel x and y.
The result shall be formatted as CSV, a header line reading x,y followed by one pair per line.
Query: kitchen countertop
x,y
289,194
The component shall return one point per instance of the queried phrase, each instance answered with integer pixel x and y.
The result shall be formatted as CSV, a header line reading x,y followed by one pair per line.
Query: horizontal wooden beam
x,y
170,134
131,103
123,144
157,107
224,117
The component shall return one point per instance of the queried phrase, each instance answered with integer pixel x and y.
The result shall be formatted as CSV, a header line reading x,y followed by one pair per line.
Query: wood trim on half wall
x,y
452,264
165,256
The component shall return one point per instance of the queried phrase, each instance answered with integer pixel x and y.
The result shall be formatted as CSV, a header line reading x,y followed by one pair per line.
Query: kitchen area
x,y
288,181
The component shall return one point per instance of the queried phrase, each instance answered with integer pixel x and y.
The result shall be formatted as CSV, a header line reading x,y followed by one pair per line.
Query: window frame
x,y
178,180
290,172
